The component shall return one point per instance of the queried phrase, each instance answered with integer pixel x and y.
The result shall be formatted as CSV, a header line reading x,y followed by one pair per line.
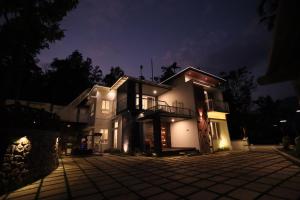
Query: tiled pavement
x,y
258,174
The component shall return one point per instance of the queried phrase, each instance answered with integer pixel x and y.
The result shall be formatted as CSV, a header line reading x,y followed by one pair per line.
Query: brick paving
x,y
257,174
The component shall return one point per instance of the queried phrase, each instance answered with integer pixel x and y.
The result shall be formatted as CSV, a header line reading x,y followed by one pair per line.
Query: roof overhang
x,y
284,60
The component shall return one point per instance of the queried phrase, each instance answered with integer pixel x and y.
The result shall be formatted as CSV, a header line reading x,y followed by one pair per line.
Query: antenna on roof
x,y
152,78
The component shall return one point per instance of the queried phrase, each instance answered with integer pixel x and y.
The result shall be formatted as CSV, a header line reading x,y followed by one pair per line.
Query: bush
x,y
297,145
286,142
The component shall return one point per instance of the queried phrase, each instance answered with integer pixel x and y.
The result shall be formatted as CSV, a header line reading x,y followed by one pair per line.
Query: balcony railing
x,y
215,105
179,111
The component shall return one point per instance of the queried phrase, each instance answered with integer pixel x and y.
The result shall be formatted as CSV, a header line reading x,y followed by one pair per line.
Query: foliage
x,y
113,76
238,89
168,71
267,11
68,77
26,27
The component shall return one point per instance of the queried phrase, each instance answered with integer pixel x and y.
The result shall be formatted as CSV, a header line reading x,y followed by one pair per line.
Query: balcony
x,y
217,106
163,109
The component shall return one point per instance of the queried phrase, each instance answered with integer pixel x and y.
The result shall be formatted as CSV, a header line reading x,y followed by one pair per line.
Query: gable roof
x,y
193,69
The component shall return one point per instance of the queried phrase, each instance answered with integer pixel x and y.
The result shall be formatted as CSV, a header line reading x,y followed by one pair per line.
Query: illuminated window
x,y
105,106
104,137
147,101
116,125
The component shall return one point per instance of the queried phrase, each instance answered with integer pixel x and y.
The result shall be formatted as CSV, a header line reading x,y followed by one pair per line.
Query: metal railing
x,y
215,105
172,110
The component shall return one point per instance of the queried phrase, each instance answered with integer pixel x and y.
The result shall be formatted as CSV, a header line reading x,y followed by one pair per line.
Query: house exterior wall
x,y
185,134
181,92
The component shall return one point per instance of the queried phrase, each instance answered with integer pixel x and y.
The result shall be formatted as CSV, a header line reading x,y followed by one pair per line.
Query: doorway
x,y
165,135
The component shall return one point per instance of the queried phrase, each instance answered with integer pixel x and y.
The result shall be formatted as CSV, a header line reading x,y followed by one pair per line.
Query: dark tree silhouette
x,y
237,92
67,78
168,71
113,76
238,88
26,27
267,10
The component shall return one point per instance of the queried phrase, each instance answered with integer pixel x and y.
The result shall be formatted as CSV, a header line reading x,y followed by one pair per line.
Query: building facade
x,y
185,111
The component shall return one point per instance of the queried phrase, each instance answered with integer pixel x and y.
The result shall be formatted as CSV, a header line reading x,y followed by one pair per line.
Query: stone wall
x,y
27,157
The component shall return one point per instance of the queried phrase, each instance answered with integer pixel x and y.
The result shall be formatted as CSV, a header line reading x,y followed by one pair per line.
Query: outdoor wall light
x,y
298,111
283,121
172,120
68,125
154,91
275,125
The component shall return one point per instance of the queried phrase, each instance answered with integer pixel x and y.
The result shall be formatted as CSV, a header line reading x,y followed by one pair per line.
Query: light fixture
x,y
275,125
68,125
283,121
298,111
172,120
154,91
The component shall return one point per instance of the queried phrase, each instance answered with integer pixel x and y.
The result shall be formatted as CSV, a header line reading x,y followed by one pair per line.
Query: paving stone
x,y
203,195
243,194
259,187
185,190
269,197
149,191
204,183
164,195
221,188
171,185
285,193
235,182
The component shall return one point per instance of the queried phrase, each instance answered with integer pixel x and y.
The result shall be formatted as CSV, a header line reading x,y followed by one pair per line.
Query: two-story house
x,y
185,111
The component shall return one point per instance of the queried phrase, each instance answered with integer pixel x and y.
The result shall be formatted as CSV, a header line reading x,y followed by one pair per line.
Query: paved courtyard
x,y
258,174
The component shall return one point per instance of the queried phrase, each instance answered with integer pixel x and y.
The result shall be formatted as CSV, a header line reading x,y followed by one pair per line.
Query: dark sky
x,y
215,35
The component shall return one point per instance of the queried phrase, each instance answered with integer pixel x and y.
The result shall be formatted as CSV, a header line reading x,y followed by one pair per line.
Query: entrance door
x,y
165,135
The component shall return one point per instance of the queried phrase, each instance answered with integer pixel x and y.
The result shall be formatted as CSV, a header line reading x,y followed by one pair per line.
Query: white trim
x,y
193,68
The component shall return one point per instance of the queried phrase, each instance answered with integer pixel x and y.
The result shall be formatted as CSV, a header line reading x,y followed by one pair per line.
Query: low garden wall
x,y
26,155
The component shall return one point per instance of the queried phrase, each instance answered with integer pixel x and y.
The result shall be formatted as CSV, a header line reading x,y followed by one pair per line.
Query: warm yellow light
x,y
216,115
125,146
111,95
173,120
222,143
23,140
154,91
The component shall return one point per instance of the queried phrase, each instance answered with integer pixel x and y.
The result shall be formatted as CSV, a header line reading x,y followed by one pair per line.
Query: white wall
x,y
184,134
181,92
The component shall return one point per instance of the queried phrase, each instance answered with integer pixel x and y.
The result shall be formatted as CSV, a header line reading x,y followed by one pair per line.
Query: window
x,y
147,101
104,137
105,106
116,125
215,130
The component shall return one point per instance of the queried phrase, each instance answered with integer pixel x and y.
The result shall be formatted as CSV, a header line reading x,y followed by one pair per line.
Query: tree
x,y
26,27
238,88
237,92
68,77
168,71
113,76
267,11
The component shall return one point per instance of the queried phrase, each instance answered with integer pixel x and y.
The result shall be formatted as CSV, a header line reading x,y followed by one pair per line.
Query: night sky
x,y
215,35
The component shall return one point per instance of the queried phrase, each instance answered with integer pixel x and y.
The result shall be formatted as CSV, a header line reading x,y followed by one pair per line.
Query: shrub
x,y
297,145
286,142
